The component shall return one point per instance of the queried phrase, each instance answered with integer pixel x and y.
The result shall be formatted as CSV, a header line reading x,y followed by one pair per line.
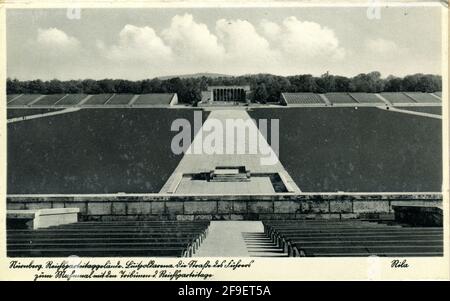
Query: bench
x,y
109,239
354,238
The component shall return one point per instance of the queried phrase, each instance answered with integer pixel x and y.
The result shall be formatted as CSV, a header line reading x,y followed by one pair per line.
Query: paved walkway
x,y
238,239
405,111
42,115
225,238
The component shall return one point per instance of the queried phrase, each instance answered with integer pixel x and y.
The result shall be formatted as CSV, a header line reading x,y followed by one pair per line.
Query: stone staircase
x,y
238,174
260,245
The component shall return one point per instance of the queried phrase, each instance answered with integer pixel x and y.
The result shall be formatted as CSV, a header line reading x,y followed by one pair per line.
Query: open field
x,y
93,151
364,150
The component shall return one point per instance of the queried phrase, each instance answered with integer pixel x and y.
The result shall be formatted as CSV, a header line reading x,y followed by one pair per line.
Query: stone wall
x,y
169,207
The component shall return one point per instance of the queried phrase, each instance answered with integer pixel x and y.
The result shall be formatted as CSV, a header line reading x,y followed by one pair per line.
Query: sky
x,y
145,43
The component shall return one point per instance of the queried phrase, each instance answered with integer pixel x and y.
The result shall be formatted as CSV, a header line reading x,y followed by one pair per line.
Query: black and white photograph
x,y
283,133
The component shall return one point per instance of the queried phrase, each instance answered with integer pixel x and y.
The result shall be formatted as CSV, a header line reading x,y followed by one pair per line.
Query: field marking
x,y
29,117
392,109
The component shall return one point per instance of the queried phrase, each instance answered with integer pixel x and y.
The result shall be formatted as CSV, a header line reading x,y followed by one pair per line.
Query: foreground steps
x,y
260,245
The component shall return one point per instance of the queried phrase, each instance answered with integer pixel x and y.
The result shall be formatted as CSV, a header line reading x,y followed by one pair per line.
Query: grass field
x,y
93,151
365,150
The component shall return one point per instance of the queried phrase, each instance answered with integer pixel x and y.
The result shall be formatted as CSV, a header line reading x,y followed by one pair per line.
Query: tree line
x,y
265,87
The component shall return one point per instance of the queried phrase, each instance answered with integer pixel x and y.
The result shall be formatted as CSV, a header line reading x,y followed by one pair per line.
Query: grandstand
x,y
369,98
354,238
397,98
91,101
11,97
340,98
361,99
423,97
155,99
71,100
120,99
48,100
24,100
98,99
109,239
302,99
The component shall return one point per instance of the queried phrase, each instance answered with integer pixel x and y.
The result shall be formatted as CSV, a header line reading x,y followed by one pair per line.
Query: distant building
x,y
226,94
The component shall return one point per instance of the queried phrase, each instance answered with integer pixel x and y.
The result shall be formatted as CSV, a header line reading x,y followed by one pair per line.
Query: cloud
x,y
303,40
382,47
246,50
193,40
137,44
232,46
53,39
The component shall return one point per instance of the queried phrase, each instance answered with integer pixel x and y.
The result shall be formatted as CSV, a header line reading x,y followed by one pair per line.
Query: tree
x,y
260,94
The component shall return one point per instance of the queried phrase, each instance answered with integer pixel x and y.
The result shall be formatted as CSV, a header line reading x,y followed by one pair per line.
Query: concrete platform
x,y
41,218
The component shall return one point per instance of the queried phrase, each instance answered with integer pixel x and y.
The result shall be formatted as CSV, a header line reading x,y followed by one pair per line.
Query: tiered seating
x,y
303,98
98,99
10,97
354,238
48,100
71,100
340,98
397,98
423,97
366,98
153,99
109,239
120,99
24,100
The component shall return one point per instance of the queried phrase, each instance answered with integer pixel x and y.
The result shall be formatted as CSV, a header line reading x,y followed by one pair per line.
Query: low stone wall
x,y
254,207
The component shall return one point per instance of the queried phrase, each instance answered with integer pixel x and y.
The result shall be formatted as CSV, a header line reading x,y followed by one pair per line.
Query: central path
x,y
194,162
237,239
